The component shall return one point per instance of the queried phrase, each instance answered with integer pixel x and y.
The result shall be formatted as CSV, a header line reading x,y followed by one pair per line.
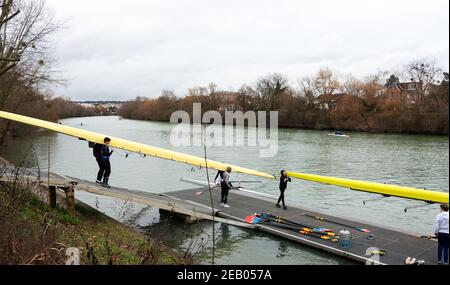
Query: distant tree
x,y
392,80
362,105
424,72
214,100
212,87
325,84
440,94
269,90
247,98
352,86
168,94
306,90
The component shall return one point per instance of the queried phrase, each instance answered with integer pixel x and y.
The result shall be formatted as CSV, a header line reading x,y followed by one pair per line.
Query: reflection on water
x,y
412,160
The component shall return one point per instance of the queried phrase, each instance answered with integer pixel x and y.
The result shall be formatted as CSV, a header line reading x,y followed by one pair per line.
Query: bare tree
x,y
269,90
24,29
25,63
7,14
352,86
306,89
424,72
325,84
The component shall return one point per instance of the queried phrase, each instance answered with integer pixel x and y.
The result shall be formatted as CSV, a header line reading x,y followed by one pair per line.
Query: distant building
x,y
102,107
405,87
407,92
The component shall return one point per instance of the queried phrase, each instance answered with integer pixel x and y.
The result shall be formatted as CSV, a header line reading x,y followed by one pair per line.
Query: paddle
x,y
255,219
284,220
337,223
201,192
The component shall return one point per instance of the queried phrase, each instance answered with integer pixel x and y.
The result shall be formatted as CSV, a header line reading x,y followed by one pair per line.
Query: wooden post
x,y
70,199
52,196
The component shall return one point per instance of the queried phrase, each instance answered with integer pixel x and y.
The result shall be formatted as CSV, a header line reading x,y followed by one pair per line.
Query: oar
x,y
337,223
201,192
303,231
245,181
257,220
283,220
318,235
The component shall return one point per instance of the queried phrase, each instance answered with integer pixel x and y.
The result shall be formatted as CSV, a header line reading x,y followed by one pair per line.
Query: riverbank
x,y
33,233
329,127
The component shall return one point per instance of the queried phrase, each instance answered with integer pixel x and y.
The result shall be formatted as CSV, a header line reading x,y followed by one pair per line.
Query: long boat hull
x,y
378,188
130,145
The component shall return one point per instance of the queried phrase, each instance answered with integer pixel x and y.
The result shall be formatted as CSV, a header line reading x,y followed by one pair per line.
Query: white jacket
x,y
441,224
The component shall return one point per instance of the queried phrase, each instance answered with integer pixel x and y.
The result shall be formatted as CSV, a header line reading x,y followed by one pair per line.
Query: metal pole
x,y
210,196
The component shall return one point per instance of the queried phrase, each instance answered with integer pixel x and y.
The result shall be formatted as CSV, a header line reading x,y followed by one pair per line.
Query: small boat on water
x,y
339,134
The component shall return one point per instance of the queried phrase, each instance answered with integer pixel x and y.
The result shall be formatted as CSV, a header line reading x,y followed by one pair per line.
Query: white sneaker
x,y
222,204
226,206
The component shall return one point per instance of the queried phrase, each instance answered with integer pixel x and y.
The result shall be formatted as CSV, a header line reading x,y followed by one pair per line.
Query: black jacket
x,y
101,150
97,150
284,181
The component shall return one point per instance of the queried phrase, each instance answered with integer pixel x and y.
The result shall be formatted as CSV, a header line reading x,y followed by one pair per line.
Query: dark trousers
x,y
224,194
105,169
443,240
281,198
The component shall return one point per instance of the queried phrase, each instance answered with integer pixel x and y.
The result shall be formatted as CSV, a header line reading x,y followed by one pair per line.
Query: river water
x,y
410,160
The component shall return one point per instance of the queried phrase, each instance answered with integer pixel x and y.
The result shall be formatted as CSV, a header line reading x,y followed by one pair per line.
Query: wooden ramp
x,y
190,210
397,245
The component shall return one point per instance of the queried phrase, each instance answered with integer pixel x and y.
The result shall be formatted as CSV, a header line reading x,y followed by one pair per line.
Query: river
x,y
410,160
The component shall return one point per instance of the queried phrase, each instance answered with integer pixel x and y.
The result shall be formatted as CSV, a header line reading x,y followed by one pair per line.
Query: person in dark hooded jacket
x,y
284,179
102,154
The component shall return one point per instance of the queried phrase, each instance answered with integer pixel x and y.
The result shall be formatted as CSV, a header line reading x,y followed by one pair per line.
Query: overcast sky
x,y
120,49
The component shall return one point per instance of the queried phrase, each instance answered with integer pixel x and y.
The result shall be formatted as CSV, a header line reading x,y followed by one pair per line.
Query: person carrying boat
x,y
441,231
284,179
226,186
102,154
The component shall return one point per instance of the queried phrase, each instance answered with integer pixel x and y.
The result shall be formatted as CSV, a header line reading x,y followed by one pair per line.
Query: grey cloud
x,y
122,49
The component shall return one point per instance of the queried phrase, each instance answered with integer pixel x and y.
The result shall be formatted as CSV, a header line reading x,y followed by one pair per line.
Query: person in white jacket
x,y
441,231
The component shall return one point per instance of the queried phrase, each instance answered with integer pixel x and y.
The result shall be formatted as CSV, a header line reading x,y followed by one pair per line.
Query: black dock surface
x,y
397,245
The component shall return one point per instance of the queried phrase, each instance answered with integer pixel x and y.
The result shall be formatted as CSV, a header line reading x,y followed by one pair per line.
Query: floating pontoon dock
x,y
396,245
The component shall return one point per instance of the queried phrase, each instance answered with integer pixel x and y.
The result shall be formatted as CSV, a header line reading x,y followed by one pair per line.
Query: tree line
x,y
27,70
414,100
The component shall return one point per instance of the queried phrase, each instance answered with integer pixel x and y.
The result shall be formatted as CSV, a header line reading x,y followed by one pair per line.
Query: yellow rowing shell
x,y
378,188
130,145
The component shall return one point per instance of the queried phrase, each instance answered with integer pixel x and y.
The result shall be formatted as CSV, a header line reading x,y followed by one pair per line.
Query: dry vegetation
x,y
33,233
325,101
26,66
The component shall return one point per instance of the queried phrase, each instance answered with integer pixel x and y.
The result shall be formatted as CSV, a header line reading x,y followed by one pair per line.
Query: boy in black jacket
x,y
284,179
102,154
